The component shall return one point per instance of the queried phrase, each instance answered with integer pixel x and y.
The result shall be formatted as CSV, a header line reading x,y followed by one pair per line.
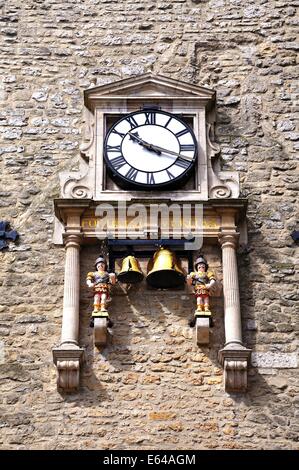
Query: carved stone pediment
x,y
148,85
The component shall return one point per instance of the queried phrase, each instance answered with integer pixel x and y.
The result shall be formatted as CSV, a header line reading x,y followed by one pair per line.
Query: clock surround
x,y
150,149
194,104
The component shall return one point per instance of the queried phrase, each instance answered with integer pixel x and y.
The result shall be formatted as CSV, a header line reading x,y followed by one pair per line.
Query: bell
x,y
130,271
165,272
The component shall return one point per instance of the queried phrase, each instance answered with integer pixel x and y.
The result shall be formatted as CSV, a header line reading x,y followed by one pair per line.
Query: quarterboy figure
x,y
202,280
101,281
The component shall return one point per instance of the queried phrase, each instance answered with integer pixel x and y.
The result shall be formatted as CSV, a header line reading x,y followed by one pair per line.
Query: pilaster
x,y
68,355
234,357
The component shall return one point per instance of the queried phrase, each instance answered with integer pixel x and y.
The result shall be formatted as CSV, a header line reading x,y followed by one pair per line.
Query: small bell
x,y
130,271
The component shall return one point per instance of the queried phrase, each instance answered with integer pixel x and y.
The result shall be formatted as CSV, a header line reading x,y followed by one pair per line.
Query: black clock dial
x,y
150,149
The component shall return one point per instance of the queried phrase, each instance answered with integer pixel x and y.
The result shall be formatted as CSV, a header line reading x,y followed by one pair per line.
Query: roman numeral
x,y
113,148
132,173
132,122
150,118
187,148
183,132
114,131
182,163
118,162
150,178
170,175
168,122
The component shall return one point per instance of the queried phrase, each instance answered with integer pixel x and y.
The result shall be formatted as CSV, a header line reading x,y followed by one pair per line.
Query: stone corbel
x,y
202,330
235,359
68,361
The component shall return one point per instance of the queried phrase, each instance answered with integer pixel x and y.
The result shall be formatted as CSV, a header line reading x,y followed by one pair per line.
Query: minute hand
x,y
161,149
156,148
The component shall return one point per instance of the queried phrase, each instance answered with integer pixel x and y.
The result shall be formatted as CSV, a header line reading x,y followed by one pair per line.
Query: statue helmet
x,y
202,260
100,260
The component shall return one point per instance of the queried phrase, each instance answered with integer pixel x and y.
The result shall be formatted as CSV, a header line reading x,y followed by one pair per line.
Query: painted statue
x,y
101,281
202,280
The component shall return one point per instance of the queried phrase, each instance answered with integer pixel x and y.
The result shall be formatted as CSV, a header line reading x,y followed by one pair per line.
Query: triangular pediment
x,y
148,85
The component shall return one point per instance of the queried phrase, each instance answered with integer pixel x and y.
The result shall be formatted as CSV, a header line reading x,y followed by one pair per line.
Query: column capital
x,y
228,239
73,239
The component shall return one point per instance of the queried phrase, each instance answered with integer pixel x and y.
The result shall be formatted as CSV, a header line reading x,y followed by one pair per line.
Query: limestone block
x,y
274,360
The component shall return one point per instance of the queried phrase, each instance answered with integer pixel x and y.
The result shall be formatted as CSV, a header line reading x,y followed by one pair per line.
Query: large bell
x,y
164,270
130,271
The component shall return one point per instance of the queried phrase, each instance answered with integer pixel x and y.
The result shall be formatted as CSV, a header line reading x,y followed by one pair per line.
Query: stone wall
x,y
152,387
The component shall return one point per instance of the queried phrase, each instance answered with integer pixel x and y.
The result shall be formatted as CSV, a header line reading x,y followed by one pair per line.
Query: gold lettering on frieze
x,y
211,222
91,223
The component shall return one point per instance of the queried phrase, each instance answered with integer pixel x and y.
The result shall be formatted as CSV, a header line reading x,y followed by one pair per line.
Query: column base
x,y
68,357
234,357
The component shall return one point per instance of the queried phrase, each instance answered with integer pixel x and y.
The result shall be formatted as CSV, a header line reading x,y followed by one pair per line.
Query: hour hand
x,y
136,138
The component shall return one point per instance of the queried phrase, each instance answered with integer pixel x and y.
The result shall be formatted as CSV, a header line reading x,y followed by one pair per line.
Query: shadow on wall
x,y
152,366
150,326
268,301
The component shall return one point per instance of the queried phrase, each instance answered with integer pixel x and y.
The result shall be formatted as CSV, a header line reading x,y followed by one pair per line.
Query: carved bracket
x,y
100,331
202,330
235,359
87,146
68,361
76,185
222,184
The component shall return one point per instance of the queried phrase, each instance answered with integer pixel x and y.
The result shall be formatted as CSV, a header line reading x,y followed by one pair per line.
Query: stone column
x,y
70,318
234,356
232,314
68,355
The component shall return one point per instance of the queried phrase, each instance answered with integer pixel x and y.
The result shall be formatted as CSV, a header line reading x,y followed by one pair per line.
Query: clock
x,y
150,149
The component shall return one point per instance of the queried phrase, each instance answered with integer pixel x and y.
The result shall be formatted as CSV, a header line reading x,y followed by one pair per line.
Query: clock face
x,y
150,149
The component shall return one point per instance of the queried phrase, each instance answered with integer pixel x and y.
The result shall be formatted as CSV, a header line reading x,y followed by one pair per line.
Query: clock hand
x,y
161,149
136,138
155,148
